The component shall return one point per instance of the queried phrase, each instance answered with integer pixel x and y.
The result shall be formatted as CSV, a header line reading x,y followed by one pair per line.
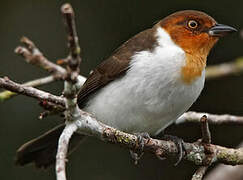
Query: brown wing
x,y
116,65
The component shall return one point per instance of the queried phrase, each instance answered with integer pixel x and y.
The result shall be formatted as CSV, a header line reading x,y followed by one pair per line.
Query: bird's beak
x,y
220,30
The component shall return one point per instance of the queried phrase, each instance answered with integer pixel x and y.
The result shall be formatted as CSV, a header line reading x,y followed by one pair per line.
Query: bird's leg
x,y
137,154
179,144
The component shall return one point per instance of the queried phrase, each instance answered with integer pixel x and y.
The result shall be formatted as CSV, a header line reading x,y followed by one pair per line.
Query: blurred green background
x,y
102,26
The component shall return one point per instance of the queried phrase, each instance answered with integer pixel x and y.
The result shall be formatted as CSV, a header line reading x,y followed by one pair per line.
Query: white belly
x,y
150,96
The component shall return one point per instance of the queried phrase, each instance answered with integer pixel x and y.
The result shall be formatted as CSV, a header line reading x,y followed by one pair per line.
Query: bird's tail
x,y
42,150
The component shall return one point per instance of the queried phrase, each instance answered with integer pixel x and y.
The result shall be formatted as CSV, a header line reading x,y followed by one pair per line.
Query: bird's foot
x,y
179,144
138,153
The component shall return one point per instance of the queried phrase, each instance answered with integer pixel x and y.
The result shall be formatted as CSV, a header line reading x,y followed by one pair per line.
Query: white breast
x,y
151,95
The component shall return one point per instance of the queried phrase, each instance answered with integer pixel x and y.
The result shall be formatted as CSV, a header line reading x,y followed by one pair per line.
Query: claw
x,y
180,146
137,154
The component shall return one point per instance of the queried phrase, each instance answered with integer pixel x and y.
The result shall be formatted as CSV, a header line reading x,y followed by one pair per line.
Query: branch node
x,y
206,135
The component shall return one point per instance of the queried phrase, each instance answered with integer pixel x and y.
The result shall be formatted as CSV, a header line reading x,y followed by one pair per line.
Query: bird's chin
x,y
221,30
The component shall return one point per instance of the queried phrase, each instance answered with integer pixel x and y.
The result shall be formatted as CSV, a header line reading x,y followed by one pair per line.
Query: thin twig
x,y
71,88
206,139
30,91
225,69
44,114
63,149
195,117
5,95
74,58
50,109
33,56
206,135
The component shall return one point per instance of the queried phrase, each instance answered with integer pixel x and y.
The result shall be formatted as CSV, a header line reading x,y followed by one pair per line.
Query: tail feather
x,y
42,150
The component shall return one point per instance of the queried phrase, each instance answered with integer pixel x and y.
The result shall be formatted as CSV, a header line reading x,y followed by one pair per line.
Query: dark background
x,y
102,26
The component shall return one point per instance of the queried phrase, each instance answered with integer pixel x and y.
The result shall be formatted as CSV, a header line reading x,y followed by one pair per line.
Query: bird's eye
x,y
192,24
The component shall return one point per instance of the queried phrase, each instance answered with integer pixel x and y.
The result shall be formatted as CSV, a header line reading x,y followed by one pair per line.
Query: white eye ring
x,y
192,24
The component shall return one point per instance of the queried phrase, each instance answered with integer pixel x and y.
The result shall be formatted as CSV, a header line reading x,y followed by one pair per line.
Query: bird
x,y
145,85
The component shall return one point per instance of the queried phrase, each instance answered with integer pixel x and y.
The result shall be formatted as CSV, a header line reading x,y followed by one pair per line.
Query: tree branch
x,y
195,117
71,88
74,60
30,91
224,172
205,141
5,95
63,149
195,152
34,56
225,69
206,135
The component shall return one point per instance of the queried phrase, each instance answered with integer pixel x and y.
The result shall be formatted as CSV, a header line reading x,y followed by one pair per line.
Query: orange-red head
x,y
196,33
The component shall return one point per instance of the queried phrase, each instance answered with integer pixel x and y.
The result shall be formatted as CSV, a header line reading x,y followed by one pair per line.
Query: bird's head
x,y
194,31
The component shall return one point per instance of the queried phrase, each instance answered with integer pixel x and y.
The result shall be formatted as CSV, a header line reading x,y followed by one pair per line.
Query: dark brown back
x,y
116,65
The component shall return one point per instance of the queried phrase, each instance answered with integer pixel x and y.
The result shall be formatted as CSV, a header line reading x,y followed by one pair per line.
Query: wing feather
x,y
116,65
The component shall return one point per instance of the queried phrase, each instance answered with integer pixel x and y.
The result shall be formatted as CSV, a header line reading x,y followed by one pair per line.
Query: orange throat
x,y
194,67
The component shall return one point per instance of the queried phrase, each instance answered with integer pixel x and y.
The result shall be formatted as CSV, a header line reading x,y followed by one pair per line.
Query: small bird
x,y
146,84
